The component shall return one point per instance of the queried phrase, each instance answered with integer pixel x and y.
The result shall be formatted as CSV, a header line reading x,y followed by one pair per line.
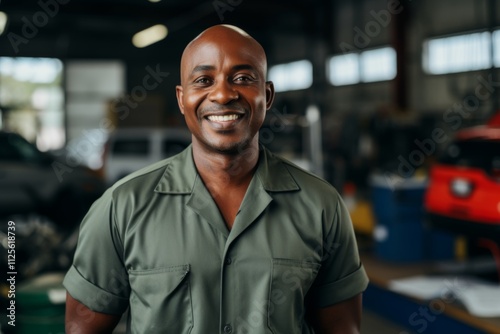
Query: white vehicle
x,y
131,149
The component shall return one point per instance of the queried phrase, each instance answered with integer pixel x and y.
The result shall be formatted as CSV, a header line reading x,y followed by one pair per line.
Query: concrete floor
x,y
374,324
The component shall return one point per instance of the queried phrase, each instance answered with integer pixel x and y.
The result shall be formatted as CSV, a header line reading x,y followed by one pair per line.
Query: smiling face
x,y
223,93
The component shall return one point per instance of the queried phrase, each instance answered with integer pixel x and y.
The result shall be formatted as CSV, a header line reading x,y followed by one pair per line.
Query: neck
x,y
226,169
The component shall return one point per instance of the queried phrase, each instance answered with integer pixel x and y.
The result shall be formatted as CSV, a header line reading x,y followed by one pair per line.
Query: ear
x,y
269,94
180,95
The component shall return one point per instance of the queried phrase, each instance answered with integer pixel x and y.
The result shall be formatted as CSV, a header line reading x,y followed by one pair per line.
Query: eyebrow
x,y
244,67
203,68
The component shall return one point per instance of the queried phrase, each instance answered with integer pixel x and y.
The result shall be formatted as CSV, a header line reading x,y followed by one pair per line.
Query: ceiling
x,y
104,28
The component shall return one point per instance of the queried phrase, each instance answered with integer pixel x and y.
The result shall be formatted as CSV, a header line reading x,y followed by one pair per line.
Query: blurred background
x,y
394,102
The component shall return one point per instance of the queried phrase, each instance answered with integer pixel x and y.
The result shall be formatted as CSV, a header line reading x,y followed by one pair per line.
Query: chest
x,y
173,231
181,258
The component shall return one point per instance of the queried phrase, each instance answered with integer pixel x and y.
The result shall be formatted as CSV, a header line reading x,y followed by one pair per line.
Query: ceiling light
x,y
3,22
154,0
149,36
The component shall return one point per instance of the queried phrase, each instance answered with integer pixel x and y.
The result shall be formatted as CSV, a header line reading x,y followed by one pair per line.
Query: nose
x,y
223,92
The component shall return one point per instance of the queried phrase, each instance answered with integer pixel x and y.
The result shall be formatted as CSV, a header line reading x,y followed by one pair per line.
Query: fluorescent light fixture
x,y
154,0
3,22
149,36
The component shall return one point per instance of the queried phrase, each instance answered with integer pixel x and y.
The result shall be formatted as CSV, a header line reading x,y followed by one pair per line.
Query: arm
x,y
97,283
82,320
340,318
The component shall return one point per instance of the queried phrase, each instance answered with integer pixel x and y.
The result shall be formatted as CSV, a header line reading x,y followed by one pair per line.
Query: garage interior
x,y
384,99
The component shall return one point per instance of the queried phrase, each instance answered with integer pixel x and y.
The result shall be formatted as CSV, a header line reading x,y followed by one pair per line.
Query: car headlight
x,y
461,187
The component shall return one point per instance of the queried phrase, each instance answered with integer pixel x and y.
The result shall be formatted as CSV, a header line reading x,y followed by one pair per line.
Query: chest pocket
x,y
161,294
290,282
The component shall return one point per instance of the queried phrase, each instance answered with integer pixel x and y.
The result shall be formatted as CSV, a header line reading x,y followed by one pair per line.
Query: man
x,y
224,237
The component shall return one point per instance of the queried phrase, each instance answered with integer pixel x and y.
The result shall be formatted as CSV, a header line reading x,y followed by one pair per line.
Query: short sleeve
x,y
342,275
98,278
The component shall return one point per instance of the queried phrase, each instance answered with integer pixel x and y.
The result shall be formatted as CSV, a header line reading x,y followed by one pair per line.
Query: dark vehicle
x,y
33,182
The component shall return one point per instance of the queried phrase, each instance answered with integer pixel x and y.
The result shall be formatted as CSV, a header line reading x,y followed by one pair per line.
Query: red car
x,y
464,189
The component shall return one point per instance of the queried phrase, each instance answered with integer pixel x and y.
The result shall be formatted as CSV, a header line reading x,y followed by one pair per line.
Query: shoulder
x,y
144,183
313,198
138,185
141,178
307,182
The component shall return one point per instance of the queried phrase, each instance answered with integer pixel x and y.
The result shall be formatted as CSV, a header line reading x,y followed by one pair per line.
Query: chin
x,y
232,148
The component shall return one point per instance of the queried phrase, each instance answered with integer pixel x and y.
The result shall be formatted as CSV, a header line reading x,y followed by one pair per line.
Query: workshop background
x,y
396,103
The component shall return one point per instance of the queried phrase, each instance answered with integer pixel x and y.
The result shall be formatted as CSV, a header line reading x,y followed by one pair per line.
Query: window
x,y
91,87
496,48
31,91
291,76
378,65
462,53
344,69
367,66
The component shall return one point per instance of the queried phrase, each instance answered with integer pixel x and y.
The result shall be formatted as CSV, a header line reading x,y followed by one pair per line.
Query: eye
x,y
244,78
202,81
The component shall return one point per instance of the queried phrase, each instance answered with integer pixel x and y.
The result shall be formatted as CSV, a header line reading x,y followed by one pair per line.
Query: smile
x,y
223,118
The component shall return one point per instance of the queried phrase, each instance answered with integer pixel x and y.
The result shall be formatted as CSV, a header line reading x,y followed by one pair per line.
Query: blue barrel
x,y
400,234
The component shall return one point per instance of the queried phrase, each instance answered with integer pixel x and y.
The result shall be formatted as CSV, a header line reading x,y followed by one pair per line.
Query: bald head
x,y
224,38
223,93
221,29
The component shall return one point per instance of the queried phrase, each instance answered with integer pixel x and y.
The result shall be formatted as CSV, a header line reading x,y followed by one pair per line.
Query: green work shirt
x,y
157,243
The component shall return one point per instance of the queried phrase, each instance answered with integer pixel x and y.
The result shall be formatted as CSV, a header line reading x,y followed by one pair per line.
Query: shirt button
x,y
228,329
228,261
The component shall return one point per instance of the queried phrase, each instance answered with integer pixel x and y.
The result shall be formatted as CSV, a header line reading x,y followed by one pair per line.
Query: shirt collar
x,y
180,174
273,173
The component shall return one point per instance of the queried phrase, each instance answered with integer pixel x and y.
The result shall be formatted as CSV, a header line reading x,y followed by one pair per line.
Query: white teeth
x,y
224,118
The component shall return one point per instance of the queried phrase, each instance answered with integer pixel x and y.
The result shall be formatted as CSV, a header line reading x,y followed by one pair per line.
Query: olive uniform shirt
x,y
157,243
